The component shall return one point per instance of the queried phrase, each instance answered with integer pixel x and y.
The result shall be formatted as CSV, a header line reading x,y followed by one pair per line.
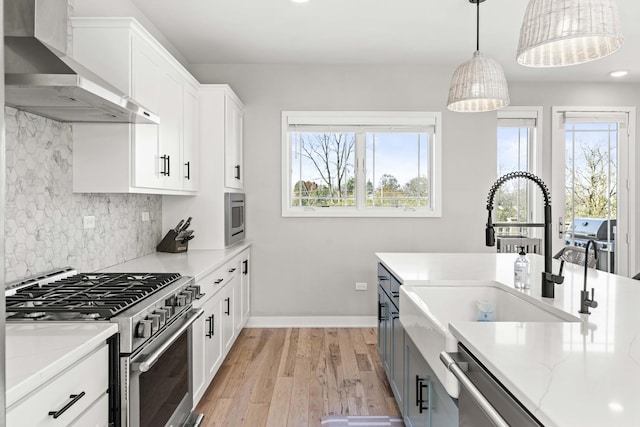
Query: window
x,y
378,164
517,151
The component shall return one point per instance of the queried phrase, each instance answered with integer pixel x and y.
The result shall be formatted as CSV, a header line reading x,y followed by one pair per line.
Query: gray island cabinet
x,y
422,399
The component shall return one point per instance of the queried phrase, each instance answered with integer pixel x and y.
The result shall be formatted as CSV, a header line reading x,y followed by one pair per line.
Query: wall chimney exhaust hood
x,y
42,79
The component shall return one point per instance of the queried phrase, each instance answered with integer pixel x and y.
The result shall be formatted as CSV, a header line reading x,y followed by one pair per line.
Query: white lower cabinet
x,y
225,314
229,313
77,397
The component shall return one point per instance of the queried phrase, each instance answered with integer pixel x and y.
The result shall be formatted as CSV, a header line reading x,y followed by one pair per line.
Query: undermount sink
x,y
426,312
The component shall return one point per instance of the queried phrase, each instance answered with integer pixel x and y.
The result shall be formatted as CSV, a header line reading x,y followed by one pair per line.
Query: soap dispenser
x,y
521,273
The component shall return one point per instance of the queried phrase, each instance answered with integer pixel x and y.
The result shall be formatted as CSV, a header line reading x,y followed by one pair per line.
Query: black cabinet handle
x,y
395,315
395,294
421,402
381,278
231,270
245,266
228,311
188,165
166,165
237,175
218,281
211,320
74,398
381,306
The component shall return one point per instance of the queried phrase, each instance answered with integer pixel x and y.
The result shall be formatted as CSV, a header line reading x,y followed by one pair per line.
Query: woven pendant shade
x,y
556,33
478,85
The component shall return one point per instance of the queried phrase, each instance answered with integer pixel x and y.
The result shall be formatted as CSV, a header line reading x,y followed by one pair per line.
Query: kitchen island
x,y
583,373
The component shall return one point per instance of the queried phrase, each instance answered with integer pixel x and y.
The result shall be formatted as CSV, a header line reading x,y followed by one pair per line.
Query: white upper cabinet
x,y
190,147
159,159
234,116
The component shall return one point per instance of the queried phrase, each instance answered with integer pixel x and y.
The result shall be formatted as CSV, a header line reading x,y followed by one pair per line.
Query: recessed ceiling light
x,y
299,1
619,73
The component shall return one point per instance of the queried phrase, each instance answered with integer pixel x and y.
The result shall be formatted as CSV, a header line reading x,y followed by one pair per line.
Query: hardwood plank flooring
x,y
292,377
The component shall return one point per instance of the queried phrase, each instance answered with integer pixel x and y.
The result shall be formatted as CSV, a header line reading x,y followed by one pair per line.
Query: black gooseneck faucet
x,y
585,302
549,280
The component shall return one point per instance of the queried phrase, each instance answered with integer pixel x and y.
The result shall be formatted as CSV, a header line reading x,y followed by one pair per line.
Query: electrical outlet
x,y
361,286
145,216
89,222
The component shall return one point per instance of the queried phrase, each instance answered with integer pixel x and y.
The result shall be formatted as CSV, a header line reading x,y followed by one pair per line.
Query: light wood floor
x,y
293,377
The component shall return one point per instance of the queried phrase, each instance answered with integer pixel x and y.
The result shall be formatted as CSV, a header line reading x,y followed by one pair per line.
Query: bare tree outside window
x,y
329,162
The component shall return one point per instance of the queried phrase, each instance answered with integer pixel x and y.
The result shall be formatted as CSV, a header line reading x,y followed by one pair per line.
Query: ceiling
x,y
376,32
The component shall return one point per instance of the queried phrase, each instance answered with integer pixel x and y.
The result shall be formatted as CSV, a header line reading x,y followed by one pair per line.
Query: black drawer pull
x,y
421,384
74,398
245,266
231,270
218,281
395,315
383,278
395,294
228,311
237,174
211,320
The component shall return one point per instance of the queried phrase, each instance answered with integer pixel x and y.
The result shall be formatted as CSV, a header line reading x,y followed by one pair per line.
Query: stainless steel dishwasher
x,y
483,401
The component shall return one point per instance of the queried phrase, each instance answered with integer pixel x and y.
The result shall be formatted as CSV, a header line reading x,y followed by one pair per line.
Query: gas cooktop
x,y
95,296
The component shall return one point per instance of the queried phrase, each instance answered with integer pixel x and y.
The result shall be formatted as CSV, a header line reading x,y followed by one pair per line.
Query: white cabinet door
x,y
190,151
170,130
234,117
146,156
228,323
245,291
213,336
145,74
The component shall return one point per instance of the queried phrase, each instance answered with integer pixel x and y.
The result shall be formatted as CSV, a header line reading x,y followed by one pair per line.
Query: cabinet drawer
x,y
90,375
96,416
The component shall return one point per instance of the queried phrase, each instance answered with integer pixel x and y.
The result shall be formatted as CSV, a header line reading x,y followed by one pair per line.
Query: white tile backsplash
x,y
44,218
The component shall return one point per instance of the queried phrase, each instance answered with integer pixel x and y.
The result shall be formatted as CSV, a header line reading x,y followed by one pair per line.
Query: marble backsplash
x,y
44,218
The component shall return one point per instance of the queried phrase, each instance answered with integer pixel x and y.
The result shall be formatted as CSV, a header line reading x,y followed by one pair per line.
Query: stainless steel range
x,y
154,316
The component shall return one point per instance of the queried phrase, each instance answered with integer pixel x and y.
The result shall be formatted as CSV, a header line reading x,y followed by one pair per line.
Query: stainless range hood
x,y
41,78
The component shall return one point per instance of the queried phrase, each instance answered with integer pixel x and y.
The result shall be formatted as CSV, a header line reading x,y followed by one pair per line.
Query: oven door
x,y
159,389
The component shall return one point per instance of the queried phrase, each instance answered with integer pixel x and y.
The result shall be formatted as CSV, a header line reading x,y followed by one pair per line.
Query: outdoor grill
x,y
600,230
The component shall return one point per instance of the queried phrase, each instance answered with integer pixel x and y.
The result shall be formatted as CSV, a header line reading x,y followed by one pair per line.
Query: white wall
x,y
307,266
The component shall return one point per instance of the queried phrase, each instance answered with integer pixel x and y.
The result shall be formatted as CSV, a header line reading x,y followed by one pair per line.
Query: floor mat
x,y
360,421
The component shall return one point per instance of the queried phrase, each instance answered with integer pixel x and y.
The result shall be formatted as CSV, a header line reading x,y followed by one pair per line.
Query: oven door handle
x,y
152,358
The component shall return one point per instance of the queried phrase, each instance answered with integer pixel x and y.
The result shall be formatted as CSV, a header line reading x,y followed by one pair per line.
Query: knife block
x,y
170,244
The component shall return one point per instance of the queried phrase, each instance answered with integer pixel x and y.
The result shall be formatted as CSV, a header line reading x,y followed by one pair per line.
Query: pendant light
x,y
478,84
556,33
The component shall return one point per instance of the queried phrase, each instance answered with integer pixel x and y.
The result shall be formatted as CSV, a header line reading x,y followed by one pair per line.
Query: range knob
x,y
188,296
143,329
181,300
195,291
163,315
155,322
169,310
171,301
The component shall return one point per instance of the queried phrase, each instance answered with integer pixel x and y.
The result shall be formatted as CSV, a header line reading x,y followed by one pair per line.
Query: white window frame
x,y
627,211
364,118
525,114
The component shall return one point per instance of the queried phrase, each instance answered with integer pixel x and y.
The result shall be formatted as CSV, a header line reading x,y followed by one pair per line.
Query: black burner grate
x,y
97,296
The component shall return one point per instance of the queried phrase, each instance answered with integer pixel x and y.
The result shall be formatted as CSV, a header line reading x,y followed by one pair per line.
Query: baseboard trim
x,y
311,322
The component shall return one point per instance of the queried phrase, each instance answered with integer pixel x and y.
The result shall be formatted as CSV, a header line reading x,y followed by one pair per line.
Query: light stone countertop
x,y
566,373
197,263
38,351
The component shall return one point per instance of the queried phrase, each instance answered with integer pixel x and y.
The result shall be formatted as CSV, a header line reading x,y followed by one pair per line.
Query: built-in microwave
x,y
234,218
